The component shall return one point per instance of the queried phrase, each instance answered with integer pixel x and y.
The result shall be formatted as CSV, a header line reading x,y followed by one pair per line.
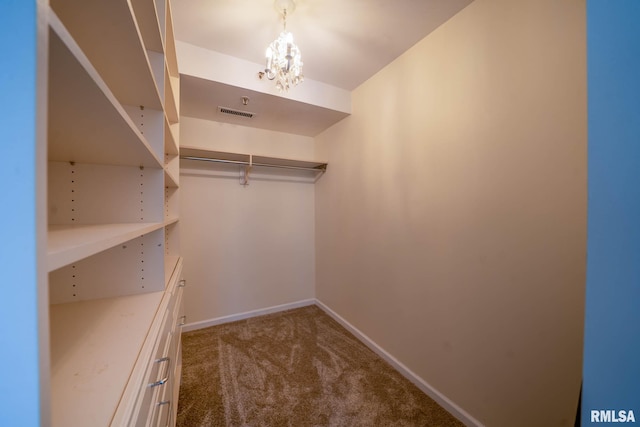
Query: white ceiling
x,y
343,43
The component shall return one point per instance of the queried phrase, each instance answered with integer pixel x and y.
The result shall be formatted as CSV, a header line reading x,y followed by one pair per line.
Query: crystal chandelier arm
x,y
269,66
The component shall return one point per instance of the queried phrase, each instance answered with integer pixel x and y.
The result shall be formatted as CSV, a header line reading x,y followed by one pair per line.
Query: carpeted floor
x,y
295,368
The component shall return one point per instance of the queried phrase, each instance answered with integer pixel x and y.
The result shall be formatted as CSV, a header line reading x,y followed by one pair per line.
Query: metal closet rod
x,y
322,168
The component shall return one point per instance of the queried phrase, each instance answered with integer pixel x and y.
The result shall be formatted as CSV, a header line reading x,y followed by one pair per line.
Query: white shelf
x,y
171,220
172,170
147,18
94,346
170,50
170,99
70,243
170,140
175,86
191,153
80,103
170,180
108,33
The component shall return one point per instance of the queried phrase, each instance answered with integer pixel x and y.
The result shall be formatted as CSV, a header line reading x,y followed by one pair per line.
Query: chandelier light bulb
x,y
283,59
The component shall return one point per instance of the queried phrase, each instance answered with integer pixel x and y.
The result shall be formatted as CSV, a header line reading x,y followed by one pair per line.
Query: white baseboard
x,y
246,315
427,389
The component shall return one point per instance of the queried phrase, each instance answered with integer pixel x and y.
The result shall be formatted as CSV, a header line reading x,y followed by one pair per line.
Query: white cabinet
x,y
160,365
113,258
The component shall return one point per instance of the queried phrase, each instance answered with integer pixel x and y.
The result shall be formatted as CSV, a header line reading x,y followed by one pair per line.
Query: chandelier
x,y
283,59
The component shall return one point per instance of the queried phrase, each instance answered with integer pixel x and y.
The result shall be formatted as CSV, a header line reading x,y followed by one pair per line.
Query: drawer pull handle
x,y
157,383
183,320
182,283
165,379
166,403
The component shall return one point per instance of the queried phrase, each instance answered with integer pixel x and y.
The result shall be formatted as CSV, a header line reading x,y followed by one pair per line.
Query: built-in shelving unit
x,y
113,253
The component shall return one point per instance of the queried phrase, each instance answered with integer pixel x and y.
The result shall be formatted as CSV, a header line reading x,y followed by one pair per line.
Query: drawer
x,y
159,370
162,404
177,375
158,360
157,393
176,352
177,299
178,310
163,409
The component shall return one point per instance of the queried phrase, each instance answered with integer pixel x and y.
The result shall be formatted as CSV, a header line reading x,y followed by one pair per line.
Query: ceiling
x,y
343,43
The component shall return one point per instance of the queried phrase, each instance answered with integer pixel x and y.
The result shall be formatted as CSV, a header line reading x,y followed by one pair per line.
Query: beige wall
x,y
450,227
245,248
219,136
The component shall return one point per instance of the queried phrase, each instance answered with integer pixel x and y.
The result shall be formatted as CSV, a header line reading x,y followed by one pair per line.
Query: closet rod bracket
x,y
245,170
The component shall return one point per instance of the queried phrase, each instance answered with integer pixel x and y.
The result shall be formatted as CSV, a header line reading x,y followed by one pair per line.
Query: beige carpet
x,y
295,368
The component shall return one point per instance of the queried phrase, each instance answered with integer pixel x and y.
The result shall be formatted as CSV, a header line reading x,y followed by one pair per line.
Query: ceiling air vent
x,y
233,112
